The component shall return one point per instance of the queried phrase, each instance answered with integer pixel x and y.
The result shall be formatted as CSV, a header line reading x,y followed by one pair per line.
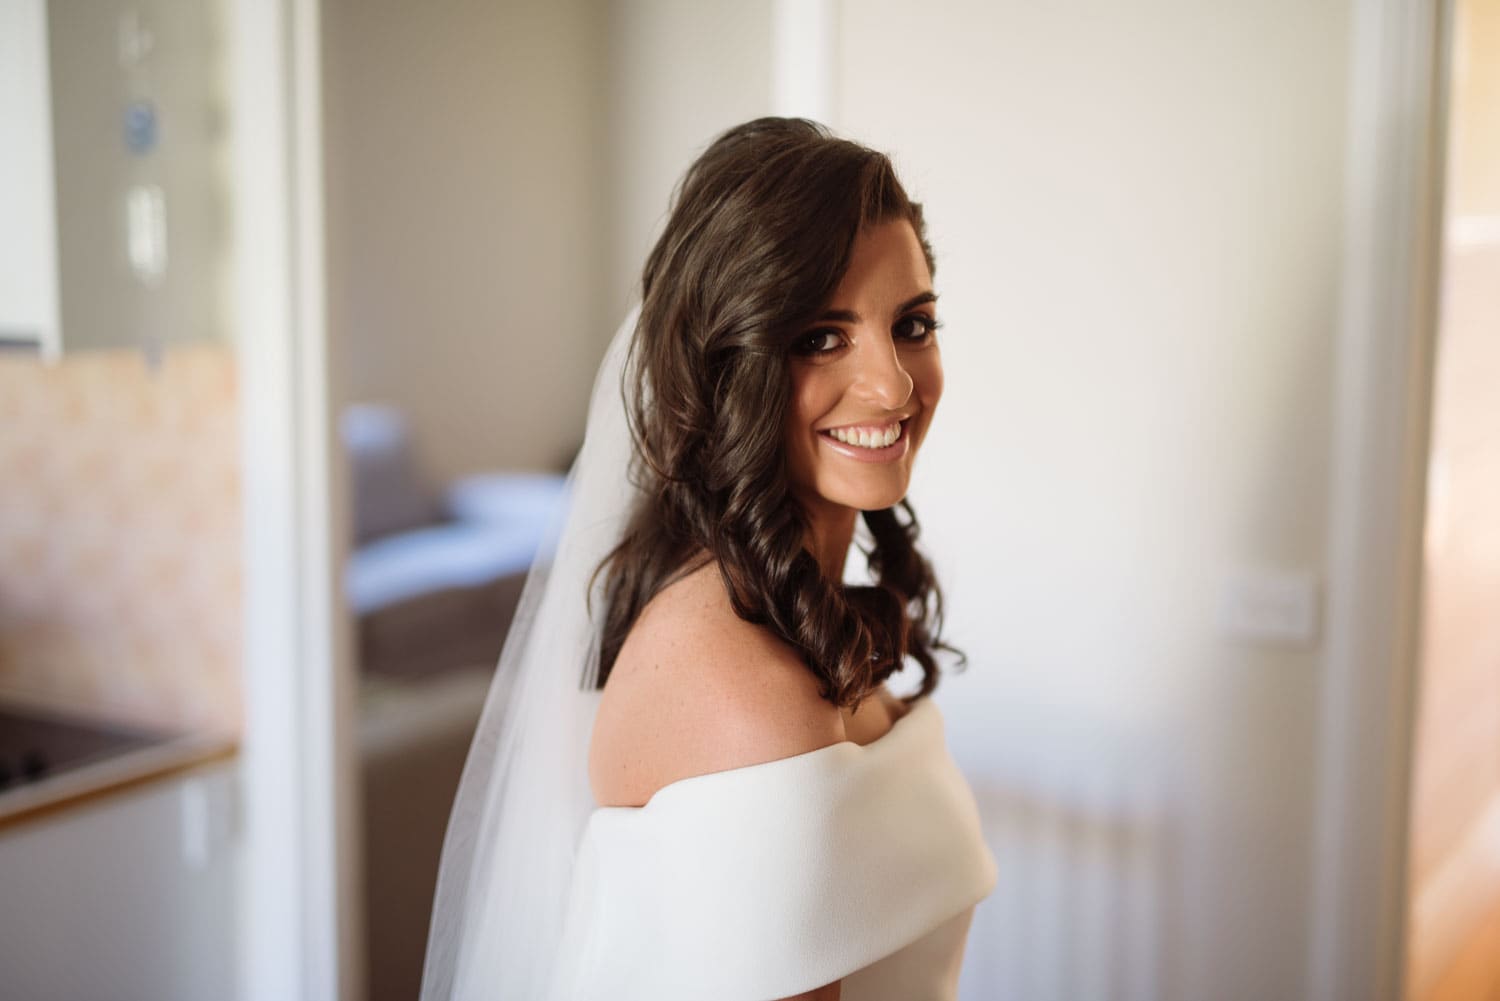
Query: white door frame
x,y
300,933
1387,328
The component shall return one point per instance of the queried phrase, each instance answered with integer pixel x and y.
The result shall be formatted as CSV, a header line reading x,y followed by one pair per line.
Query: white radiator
x,y
1083,910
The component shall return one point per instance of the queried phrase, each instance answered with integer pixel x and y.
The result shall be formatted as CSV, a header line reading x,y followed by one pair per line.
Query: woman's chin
x,y
873,500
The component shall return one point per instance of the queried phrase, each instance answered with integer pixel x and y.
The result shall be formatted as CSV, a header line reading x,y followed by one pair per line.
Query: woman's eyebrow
x,y
849,316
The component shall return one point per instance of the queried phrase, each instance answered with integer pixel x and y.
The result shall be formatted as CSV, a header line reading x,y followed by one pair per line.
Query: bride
x,y
729,803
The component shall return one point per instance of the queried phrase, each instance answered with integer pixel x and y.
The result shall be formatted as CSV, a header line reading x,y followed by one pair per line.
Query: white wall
x,y
1135,210
464,163
680,73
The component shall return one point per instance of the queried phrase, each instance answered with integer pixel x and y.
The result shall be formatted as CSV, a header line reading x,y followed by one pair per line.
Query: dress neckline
x,y
849,747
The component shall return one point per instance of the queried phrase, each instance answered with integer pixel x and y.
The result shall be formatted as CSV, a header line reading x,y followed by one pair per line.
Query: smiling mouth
x,y
872,436
876,441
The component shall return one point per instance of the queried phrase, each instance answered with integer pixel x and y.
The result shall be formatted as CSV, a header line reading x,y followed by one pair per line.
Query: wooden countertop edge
x,y
181,756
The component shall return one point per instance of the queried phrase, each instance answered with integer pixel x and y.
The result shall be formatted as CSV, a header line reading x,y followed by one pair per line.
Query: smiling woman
x,y
791,292
746,812
864,392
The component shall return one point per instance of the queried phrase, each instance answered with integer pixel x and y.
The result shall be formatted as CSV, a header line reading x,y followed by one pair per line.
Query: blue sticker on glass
x,y
140,126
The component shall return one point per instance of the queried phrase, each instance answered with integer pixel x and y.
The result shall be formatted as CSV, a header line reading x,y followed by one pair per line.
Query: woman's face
x,y
866,379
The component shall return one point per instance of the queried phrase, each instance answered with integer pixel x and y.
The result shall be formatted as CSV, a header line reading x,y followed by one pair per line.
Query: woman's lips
x,y
891,452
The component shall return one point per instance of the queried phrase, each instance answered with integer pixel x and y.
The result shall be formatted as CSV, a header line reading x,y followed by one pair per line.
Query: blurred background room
x,y
300,308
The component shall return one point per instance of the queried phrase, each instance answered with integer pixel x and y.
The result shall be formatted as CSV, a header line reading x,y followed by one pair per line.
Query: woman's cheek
x,y
929,378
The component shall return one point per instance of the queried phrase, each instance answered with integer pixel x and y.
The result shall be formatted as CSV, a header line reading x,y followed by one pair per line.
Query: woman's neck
x,y
829,536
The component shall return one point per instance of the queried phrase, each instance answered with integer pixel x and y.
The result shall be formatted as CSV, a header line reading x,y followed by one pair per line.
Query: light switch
x,y
1270,607
146,233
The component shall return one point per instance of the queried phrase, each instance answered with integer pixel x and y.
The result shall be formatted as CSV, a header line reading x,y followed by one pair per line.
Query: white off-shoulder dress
x,y
854,862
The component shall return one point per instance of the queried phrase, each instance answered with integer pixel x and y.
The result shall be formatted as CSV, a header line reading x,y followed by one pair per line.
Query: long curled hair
x,y
760,234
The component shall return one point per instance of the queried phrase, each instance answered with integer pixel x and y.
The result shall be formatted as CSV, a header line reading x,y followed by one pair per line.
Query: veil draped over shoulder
x,y
524,799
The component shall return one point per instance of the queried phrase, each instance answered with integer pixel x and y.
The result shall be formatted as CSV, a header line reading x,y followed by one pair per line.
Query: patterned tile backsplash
x,y
120,535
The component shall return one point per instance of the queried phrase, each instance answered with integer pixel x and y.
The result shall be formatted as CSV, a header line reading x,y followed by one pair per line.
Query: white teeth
x,y
865,438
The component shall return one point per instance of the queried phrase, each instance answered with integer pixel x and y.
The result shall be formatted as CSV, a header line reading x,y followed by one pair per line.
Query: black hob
x,y
37,744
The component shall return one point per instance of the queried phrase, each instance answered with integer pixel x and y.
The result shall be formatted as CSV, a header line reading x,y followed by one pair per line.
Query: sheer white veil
x,y
507,867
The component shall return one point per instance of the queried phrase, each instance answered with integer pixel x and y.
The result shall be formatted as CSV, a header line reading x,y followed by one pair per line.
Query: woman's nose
x,y
882,378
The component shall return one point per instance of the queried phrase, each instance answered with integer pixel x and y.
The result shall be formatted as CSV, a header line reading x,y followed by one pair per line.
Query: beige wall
x,y
120,536
497,174
1136,212
464,160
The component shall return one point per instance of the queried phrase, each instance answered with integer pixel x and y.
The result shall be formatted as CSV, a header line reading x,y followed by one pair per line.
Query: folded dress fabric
x,y
853,862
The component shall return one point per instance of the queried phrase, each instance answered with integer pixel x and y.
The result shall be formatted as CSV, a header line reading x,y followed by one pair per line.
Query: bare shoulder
x,y
696,689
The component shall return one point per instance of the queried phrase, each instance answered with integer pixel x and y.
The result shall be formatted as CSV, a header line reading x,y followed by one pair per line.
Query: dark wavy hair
x,y
760,234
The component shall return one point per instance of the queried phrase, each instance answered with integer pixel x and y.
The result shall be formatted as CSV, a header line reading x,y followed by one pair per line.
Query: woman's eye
x,y
818,341
916,327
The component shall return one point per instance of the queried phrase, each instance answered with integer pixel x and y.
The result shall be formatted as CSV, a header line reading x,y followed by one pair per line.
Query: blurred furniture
x,y
435,574
433,582
414,738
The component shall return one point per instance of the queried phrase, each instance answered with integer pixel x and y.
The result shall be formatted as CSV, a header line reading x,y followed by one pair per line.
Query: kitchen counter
x,y
109,759
119,858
